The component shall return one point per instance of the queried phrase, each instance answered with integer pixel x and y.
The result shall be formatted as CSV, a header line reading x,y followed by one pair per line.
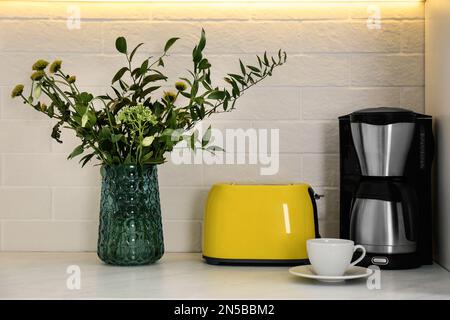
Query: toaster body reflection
x,y
259,224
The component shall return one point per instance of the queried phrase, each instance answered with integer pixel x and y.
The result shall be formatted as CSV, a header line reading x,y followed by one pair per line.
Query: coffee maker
x,y
385,187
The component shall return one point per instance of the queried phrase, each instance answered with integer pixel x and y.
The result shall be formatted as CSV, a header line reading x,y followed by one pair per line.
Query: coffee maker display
x,y
385,202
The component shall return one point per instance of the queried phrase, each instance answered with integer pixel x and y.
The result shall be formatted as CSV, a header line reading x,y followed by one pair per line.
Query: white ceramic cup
x,y
332,257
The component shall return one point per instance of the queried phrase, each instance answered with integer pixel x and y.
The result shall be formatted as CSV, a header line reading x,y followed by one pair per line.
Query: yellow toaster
x,y
259,224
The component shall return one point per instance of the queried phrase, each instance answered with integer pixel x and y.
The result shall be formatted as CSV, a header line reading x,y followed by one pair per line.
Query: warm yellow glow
x,y
197,8
229,1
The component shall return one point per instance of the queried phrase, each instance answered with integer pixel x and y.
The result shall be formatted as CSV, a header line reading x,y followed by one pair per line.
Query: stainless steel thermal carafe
x,y
384,209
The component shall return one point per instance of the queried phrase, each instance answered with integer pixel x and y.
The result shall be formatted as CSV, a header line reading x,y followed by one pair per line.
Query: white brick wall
x,y
335,65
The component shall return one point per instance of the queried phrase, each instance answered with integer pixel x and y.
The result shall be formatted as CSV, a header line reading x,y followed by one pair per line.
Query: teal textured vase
x,y
130,231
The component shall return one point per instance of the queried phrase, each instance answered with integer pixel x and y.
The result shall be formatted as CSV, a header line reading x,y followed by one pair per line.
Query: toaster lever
x,y
318,196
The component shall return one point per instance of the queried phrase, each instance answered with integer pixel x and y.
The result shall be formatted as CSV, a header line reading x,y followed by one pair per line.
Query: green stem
x,y
72,86
56,88
130,70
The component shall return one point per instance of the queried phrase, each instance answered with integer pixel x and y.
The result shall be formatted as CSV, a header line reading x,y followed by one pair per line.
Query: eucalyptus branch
x,y
214,109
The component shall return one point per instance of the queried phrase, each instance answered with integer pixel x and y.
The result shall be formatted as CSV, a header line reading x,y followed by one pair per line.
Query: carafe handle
x,y
410,207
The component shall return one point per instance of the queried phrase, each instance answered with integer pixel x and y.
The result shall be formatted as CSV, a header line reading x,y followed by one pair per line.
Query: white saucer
x,y
354,272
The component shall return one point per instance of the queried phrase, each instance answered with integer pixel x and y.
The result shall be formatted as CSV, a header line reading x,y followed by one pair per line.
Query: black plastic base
x,y
394,261
259,262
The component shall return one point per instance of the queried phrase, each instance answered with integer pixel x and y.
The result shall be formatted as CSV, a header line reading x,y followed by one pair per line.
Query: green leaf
x,y
116,137
194,89
128,159
85,97
77,151
105,133
236,91
134,87
238,78
152,78
204,64
185,94
119,74
206,137
169,43
56,131
135,73
147,156
254,69
199,100
201,112
107,156
202,43
116,92
123,85
273,61
193,139
216,95
134,50
84,120
193,112
207,86
51,110
144,67
197,55
121,45
104,97
242,67
266,60
149,90
214,149
86,159
225,105
92,118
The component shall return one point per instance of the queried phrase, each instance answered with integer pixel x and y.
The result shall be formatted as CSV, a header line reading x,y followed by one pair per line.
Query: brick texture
x,y
336,65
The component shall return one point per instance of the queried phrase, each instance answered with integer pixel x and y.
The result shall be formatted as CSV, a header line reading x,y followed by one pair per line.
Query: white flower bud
x,y
148,141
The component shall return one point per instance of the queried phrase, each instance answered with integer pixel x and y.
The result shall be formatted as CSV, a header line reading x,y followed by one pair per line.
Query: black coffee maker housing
x,y
411,188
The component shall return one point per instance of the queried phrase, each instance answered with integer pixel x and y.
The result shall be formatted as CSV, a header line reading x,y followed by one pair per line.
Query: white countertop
x,y
186,276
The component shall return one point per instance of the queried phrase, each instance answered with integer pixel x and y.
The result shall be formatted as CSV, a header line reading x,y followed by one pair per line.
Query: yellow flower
x,y
169,96
180,86
40,65
71,79
55,66
38,75
43,107
17,91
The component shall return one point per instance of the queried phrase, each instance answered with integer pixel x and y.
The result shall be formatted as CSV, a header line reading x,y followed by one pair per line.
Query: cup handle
x,y
358,246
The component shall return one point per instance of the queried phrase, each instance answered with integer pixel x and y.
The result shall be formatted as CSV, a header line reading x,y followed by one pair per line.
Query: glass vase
x,y
130,230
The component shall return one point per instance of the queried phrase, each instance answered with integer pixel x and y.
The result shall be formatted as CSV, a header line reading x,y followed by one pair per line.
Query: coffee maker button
x,y
380,260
